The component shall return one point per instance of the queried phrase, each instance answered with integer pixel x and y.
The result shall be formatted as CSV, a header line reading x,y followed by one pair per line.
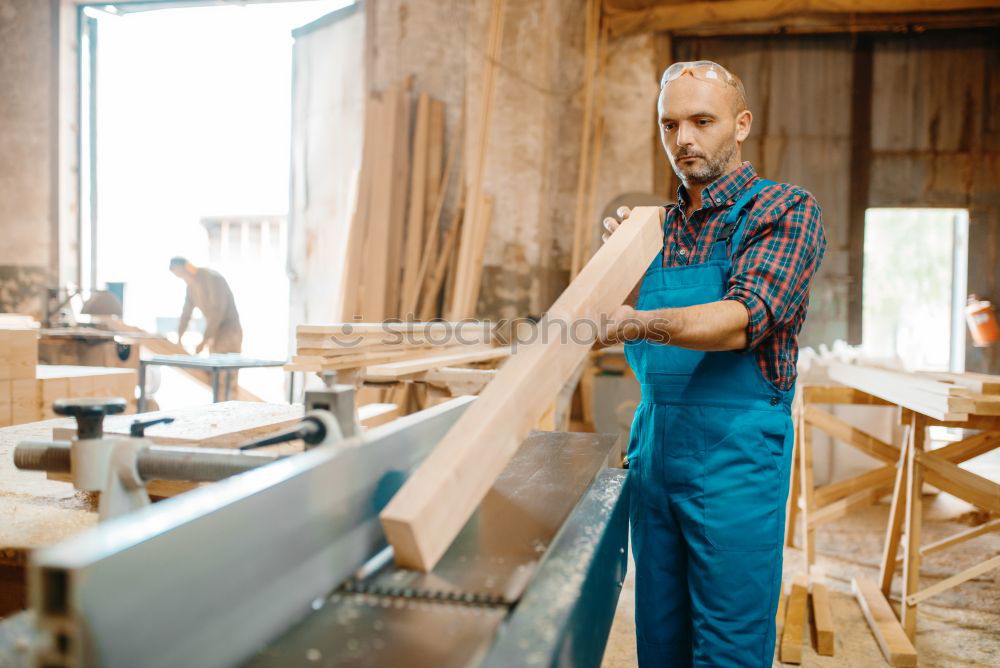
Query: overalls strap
x,y
735,222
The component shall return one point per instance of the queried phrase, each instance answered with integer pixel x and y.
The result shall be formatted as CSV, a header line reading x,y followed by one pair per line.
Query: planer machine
x,y
283,562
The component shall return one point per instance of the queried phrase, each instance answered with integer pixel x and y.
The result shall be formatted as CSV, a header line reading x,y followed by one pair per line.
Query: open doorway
x,y
185,142
914,293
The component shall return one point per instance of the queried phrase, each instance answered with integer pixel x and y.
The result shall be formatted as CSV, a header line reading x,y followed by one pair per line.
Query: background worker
x,y
711,333
209,292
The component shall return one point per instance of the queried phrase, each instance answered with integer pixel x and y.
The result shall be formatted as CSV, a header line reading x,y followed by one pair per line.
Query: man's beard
x,y
711,168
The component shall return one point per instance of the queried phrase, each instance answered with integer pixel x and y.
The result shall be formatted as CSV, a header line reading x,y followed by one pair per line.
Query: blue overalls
x,y
709,457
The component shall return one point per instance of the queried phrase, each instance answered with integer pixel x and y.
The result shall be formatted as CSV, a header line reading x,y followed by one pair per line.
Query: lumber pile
x,y
430,509
395,234
942,396
27,389
18,359
71,382
393,350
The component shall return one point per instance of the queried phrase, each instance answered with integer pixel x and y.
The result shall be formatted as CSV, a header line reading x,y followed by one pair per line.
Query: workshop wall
x,y
534,139
26,152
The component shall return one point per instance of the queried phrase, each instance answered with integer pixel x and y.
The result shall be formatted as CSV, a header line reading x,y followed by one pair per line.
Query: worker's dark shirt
x,y
780,252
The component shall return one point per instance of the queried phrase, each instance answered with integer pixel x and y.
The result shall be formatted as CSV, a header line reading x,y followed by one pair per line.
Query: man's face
x,y
701,128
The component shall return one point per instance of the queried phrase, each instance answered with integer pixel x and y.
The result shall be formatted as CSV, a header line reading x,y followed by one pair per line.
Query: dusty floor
x,y
960,627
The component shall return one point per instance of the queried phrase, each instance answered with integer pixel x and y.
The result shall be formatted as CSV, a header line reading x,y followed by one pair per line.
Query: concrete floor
x,y
960,627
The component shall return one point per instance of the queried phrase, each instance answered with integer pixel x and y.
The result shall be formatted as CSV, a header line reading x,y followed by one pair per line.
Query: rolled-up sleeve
x,y
776,263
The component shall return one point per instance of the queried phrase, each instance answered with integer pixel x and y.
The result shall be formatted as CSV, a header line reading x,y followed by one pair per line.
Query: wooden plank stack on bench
x,y
392,350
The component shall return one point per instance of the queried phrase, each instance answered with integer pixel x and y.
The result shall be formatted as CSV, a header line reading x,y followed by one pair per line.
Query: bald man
x,y
711,334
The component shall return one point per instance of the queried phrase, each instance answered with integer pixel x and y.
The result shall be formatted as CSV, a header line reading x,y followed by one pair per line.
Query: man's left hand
x,y
201,346
625,324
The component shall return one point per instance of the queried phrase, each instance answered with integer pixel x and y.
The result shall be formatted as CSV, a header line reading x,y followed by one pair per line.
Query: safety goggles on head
x,y
705,70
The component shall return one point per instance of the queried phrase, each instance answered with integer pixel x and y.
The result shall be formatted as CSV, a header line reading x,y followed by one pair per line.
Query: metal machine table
x,y
215,364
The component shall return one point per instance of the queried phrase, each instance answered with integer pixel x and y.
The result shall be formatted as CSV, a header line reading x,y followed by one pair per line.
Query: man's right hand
x,y
612,224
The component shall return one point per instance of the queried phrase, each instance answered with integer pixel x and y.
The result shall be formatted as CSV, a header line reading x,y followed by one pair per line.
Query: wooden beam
x,y
901,389
839,394
416,219
956,481
954,580
430,509
353,259
394,371
957,539
463,301
795,621
869,480
674,17
894,526
896,647
851,435
914,525
822,620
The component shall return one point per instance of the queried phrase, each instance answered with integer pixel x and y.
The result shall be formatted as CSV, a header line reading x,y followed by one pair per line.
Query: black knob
x,y
89,413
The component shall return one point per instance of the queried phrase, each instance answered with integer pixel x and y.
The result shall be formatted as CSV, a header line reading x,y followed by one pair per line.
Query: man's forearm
x,y
714,326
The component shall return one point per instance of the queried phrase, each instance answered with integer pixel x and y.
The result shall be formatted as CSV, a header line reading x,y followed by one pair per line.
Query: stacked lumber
x,y
393,350
18,359
72,382
395,236
942,396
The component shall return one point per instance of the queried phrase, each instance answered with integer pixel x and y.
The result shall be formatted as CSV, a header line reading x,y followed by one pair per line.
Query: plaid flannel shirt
x,y
781,250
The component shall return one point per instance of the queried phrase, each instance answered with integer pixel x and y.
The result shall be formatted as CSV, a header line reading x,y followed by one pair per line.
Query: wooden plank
x,y
957,539
894,525
474,277
969,448
841,507
977,382
851,435
394,371
24,406
433,505
822,620
898,388
436,184
958,482
914,525
954,580
19,353
896,647
402,166
376,246
874,479
445,259
592,19
373,415
808,492
416,220
463,299
839,394
354,259
435,260
790,650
